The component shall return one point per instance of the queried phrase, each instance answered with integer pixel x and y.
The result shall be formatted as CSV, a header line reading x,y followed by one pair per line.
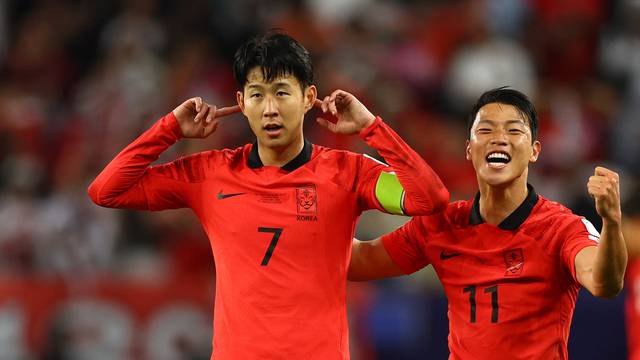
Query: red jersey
x,y
511,288
632,309
281,237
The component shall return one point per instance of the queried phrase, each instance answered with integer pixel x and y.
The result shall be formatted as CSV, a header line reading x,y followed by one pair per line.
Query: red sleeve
x,y
129,181
424,192
578,234
406,246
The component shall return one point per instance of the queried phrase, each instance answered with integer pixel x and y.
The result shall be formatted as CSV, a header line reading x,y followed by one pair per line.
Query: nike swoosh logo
x,y
222,196
445,256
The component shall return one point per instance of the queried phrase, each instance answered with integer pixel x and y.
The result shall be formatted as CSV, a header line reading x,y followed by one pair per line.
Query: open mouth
x,y
498,159
272,129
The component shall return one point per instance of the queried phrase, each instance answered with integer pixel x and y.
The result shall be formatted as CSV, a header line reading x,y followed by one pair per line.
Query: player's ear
x,y
310,96
536,151
467,150
240,100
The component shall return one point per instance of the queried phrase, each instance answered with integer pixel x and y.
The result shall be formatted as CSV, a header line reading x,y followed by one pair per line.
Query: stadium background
x,y
80,79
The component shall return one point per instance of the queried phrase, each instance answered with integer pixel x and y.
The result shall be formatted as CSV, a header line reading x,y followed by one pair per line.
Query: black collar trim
x,y
254,161
515,219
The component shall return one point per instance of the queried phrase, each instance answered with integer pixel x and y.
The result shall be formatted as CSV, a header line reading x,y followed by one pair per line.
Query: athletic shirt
x,y
511,288
281,236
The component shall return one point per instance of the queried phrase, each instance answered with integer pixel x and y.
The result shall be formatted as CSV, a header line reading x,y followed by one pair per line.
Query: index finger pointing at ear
x,y
224,111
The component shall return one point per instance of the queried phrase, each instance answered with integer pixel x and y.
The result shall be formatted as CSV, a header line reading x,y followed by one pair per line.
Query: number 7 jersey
x,y
511,288
281,237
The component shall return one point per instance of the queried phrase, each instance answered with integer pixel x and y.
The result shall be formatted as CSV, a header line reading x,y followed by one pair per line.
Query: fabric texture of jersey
x,y
281,236
511,288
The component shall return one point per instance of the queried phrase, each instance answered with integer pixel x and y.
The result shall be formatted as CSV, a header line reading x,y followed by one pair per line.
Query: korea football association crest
x,y
307,203
513,261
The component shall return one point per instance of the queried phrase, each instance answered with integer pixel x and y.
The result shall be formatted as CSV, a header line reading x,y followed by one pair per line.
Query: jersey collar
x,y
302,158
515,219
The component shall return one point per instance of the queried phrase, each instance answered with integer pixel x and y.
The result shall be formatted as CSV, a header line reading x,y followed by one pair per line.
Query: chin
x,y
497,180
274,142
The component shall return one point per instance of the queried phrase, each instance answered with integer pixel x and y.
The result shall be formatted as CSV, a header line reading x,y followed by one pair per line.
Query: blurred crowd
x,y
79,80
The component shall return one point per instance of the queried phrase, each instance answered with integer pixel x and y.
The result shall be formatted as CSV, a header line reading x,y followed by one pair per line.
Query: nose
x,y
270,107
499,138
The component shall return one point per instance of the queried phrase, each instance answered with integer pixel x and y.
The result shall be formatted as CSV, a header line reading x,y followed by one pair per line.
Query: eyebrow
x,y
277,84
509,122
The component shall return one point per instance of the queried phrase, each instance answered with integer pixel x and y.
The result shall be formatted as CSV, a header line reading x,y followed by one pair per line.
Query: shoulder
x,y
218,157
455,216
458,212
552,213
343,156
197,167
552,219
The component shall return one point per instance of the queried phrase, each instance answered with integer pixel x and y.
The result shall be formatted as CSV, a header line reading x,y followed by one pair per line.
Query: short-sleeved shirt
x,y
511,288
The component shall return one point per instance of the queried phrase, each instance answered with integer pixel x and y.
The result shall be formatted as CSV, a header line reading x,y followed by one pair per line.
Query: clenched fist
x,y
604,187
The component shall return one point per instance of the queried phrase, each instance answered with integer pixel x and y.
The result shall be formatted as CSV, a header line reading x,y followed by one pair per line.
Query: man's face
x,y
275,109
500,146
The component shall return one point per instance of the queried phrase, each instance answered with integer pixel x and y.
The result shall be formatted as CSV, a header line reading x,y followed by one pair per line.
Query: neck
x,y
280,156
498,202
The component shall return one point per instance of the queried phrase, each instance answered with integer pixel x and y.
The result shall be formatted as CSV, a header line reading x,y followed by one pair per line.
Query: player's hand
x,y
351,114
604,187
197,119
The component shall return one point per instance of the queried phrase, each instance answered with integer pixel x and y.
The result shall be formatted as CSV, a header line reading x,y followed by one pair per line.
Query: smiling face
x,y
275,109
500,145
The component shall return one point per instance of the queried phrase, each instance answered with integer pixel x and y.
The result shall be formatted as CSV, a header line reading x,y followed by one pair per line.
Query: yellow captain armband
x,y
390,193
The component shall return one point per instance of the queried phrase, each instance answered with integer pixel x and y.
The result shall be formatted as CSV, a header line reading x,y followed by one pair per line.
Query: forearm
x,y
119,183
356,264
610,261
370,261
424,192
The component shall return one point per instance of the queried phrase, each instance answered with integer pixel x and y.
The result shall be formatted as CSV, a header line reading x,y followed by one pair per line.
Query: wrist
x,y
611,223
370,126
174,125
370,120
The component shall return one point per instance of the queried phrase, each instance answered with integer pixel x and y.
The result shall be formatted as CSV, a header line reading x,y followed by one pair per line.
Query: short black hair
x,y
504,95
277,54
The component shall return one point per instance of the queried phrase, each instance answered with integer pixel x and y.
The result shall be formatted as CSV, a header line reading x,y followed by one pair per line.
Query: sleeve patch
x,y
593,233
390,193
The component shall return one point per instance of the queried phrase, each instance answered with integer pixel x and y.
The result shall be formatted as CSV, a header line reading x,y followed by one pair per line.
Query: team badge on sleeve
x,y
593,233
513,261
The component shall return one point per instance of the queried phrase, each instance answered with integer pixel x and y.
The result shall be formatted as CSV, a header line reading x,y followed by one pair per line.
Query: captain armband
x,y
390,193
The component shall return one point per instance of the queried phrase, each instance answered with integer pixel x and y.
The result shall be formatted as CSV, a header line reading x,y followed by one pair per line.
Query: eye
x,y
516,131
255,95
282,93
484,130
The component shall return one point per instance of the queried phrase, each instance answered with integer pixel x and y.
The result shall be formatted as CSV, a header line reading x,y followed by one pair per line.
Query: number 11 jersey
x,y
511,288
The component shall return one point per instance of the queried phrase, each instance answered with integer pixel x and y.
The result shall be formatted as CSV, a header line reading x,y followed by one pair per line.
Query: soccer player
x,y
511,262
280,213
631,231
